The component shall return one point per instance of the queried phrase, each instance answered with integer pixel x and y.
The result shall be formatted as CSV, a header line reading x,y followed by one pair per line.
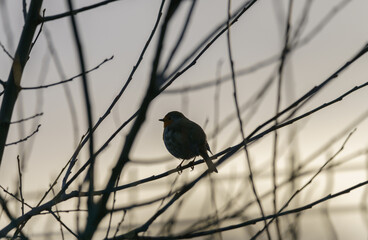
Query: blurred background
x,y
324,35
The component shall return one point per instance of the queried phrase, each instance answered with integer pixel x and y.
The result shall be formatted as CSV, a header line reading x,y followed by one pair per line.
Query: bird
x,y
185,139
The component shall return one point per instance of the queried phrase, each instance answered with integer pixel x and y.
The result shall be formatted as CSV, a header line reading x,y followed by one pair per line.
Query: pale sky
x,y
121,29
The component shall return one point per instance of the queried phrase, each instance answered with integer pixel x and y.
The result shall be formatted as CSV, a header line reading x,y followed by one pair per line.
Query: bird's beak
x,y
161,119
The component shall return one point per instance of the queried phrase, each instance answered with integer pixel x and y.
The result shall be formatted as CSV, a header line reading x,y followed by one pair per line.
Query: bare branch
x,y
24,139
181,37
24,9
284,56
100,210
15,197
247,157
307,183
101,119
26,119
91,171
56,215
38,34
261,219
20,185
5,208
70,79
6,51
76,11
296,44
14,79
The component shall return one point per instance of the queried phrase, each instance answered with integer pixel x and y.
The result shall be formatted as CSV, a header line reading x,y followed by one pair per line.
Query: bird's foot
x,y
192,164
179,168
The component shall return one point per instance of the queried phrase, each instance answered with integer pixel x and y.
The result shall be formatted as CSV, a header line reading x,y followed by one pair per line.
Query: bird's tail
x,y
210,165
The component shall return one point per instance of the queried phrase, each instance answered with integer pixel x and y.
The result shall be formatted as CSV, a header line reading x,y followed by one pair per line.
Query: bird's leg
x,y
192,163
179,167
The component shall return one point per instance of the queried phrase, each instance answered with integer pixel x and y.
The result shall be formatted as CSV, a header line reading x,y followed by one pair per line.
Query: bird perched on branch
x,y
185,139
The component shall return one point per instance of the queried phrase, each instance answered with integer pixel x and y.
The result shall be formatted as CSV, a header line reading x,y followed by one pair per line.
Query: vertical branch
x,y
77,216
240,120
24,4
90,176
180,39
278,103
119,224
329,227
57,216
99,211
12,88
20,184
116,99
6,210
112,209
305,185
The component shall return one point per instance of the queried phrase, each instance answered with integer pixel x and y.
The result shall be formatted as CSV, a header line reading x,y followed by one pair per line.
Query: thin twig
x,y
307,183
250,106
77,216
28,118
116,99
70,79
250,140
15,197
284,55
244,9
112,209
260,219
24,139
330,175
134,233
119,224
90,175
209,40
58,218
180,39
239,145
5,209
76,11
20,185
15,76
95,217
332,141
268,61
205,222
308,96
6,51
321,24
38,34
60,198
230,151
247,157
302,22
144,227
63,224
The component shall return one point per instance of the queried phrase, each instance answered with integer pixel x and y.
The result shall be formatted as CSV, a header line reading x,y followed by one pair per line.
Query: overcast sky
x,y
121,29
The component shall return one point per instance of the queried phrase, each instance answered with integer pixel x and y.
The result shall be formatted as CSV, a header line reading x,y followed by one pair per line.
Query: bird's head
x,y
171,117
